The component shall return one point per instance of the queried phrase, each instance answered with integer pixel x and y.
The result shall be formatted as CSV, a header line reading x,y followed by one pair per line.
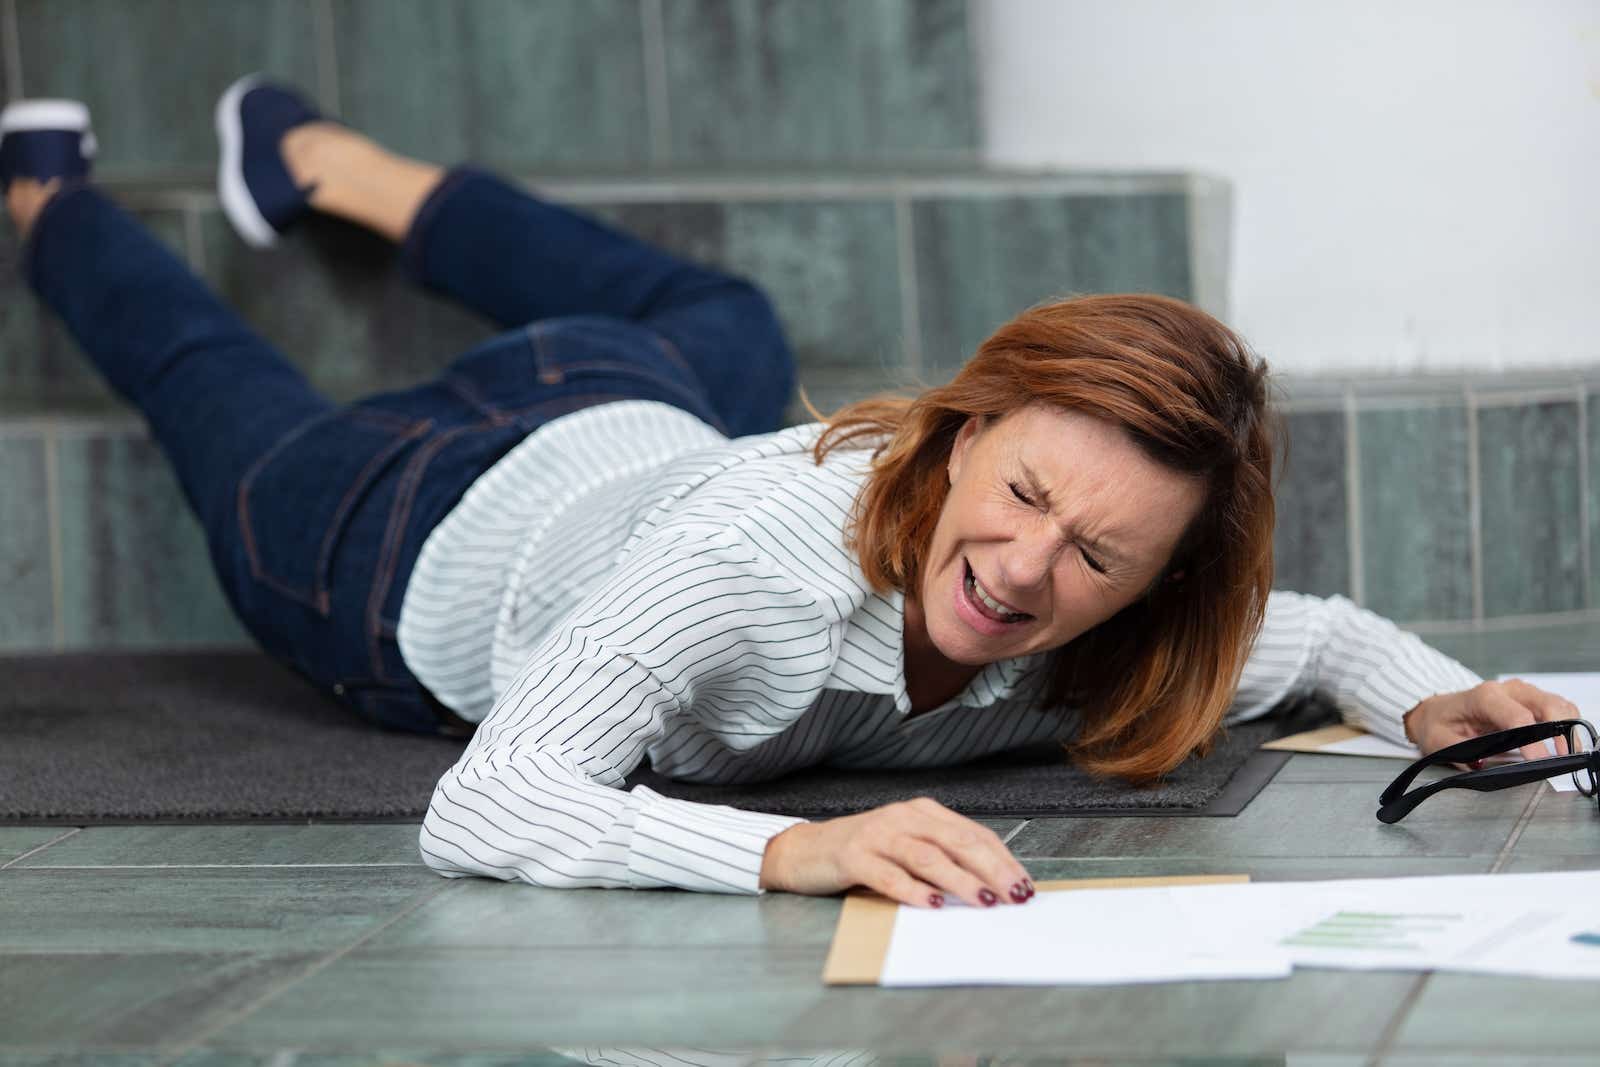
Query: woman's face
x,y
1057,515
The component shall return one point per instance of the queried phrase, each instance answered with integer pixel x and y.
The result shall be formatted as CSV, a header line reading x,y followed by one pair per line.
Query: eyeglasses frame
x,y
1396,803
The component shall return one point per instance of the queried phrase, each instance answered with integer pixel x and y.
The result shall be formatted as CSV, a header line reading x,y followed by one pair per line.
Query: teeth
x,y
993,604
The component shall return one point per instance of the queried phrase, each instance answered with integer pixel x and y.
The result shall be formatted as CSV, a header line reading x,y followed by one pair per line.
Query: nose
x,y
1026,563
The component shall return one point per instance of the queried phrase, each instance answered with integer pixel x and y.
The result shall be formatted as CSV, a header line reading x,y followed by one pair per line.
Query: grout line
x,y
52,498
910,297
194,240
1516,831
1392,1029
1474,504
1584,517
12,35
40,848
658,109
1006,840
1352,501
327,57
321,964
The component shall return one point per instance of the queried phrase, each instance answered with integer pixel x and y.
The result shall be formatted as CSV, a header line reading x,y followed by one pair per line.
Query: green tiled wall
x,y
1532,532
1312,542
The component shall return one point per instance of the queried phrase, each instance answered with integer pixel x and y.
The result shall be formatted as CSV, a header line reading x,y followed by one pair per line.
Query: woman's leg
x,y
517,258
215,394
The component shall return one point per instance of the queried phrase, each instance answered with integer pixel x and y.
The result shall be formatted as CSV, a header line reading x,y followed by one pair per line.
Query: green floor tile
x,y
82,1000
819,81
203,909
17,841
244,845
509,84
492,998
1259,868
489,914
1564,826
151,72
1177,1019
135,568
1310,819
980,261
1305,767
1532,529
28,620
1483,1014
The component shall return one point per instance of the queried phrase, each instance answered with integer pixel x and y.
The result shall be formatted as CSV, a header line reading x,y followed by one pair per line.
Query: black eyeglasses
x,y
1582,762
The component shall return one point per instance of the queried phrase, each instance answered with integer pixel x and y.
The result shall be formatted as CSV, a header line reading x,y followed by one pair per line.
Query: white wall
x,y
1416,182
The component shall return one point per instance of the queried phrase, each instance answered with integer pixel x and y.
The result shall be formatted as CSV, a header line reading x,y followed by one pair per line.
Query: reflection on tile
x,y
69,1001
42,366
28,619
136,571
1450,1016
151,72
332,300
342,844
982,261
488,914
1416,530
167,909
1312,542
16,841
507,83
1313,819
829,267
819,81
482,998
1122,1023
1528,473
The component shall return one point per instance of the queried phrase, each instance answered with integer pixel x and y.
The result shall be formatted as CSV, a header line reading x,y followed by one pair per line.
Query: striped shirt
x,y
628,583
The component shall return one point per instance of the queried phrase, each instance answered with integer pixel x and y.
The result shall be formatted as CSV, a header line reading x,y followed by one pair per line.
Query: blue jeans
x,y
313,513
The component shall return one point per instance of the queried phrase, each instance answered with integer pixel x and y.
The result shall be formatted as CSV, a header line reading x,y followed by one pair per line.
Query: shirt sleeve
x,y
1372,670
535,796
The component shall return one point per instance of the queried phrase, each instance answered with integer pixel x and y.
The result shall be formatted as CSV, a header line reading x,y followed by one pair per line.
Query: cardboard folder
x,y
866,923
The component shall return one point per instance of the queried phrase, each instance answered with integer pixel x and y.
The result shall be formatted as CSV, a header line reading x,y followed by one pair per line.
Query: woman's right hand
x,y
914,852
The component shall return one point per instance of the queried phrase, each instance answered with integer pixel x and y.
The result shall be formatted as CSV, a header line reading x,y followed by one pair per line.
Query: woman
x,y
587,541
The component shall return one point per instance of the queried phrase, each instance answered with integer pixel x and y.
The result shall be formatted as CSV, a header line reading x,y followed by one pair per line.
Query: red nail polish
x,y
1018,894
936,900
987,898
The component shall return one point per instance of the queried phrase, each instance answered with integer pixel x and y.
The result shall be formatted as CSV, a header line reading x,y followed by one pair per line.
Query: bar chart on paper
x,y
1367,930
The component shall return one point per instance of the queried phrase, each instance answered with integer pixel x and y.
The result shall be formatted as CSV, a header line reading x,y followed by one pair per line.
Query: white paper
x,y
1369,745
1519,924
1085,936
1583,689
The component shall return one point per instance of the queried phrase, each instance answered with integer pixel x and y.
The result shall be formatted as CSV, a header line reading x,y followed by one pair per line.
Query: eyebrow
x,y
1099,547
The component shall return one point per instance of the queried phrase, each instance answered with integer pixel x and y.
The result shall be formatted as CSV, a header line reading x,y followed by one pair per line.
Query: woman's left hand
x,y
1446,718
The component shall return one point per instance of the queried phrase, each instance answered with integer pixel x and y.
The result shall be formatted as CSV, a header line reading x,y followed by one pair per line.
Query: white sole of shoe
x,y
237,203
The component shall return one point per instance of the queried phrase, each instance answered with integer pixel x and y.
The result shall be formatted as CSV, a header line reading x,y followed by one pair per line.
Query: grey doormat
x,y
233,736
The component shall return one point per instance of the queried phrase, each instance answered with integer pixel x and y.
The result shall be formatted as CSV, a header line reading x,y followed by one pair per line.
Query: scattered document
x,y
1517,924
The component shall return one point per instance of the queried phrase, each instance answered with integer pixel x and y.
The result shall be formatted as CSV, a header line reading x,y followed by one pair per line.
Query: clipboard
x,y
861,940
1314,740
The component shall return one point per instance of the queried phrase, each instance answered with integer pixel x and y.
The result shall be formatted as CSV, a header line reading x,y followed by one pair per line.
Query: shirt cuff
x,y
712,848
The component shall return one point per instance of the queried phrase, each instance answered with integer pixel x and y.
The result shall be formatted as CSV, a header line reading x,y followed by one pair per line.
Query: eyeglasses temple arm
x,y
1475,748
1484,781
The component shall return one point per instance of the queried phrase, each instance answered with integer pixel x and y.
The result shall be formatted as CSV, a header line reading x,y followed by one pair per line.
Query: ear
x,y
958,448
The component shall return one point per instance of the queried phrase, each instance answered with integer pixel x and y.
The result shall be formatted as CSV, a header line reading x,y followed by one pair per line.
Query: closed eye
x,y
1094,564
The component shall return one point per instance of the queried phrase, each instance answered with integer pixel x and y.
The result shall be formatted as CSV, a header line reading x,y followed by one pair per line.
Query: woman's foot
x,y
26,198
281,158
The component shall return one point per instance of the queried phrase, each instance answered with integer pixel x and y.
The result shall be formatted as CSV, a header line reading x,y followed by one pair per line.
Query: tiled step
x,y
583,84
876,276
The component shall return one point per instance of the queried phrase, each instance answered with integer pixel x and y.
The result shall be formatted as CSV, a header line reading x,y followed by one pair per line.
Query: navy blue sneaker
x,y
257,192
45,139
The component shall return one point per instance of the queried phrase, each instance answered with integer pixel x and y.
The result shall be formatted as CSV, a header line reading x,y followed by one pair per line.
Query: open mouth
x,y
975,600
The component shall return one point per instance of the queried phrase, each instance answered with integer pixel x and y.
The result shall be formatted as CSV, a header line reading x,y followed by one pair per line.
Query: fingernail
x,y
1019,893
1029,883
987,898
936,900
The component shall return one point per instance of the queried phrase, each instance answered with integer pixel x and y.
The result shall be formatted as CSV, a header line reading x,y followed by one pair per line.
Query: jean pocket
x,y
618,356
297,500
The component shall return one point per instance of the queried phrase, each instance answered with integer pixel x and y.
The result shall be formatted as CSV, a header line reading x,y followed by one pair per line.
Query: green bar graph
x,y
1393,930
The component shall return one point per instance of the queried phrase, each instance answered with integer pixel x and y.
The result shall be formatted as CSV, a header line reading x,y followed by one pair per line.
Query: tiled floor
x,y
272,944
